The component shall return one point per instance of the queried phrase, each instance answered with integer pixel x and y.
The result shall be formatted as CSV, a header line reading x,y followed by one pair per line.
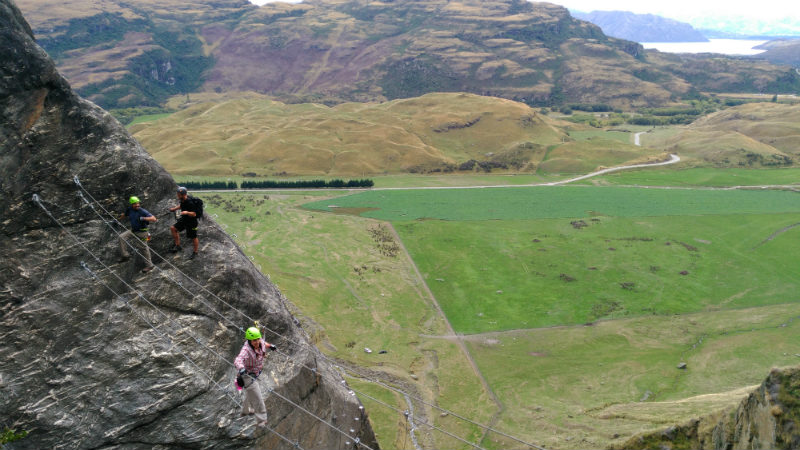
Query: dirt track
x,y
454,337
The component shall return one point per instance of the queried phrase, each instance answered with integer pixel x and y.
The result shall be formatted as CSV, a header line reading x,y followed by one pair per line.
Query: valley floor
x,y
543,331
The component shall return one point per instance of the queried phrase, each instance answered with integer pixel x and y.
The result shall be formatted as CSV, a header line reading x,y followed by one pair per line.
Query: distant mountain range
x,y
641,27
125,54
782,51
652,28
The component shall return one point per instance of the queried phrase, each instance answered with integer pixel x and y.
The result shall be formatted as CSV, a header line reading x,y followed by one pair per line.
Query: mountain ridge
x,y
641,27
333,51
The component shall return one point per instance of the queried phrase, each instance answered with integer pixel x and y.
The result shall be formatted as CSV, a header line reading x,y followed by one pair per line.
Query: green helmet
x,y
252,333
133,199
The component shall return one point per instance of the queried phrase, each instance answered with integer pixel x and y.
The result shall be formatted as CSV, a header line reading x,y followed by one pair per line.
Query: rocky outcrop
x,y
769,418
96,354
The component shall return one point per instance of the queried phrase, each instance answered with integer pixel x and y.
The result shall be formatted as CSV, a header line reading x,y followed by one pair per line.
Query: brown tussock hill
x,y
754,134
432,133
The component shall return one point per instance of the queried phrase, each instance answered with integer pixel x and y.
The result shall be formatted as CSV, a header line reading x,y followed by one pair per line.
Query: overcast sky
x,y
681,9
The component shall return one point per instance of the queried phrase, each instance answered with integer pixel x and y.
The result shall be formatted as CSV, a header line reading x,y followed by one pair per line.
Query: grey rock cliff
x,y
768,418
80,365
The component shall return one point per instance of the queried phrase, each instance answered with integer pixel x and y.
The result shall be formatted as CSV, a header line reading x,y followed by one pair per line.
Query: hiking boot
x,y
147,269
175,248
193,255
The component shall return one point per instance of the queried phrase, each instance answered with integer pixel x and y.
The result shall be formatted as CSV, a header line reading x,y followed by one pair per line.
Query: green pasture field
x,y
701,177
590,386
542,202
352,291
653,136
518,274
730,317
657,137
616,135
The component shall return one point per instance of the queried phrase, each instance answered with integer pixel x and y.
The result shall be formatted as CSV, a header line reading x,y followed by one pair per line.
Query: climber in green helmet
x,y
139,219
250,363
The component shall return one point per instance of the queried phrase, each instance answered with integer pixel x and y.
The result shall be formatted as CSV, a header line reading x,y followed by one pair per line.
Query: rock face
x,y
130,360
769,418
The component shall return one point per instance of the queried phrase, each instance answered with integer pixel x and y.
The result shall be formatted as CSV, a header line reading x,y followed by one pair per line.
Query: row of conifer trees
x,y
279,184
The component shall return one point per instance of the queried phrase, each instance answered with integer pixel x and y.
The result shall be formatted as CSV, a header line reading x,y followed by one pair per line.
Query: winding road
x,y
673,158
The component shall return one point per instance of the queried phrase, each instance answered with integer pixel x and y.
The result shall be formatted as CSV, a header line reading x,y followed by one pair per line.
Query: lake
x,y
724,46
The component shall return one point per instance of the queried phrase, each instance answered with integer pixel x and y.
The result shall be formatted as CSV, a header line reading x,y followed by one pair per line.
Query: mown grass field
x,y
503,275
702,177
500,259
544,202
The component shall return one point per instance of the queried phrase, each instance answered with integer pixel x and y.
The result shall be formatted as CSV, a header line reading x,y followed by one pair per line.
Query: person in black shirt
x,y
187,221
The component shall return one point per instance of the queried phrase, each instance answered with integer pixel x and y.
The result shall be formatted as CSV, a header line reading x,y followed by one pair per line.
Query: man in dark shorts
x,y
187,221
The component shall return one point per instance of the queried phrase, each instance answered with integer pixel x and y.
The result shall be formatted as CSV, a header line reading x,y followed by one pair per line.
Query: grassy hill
x,y
446,133
435,133
130,54
750,135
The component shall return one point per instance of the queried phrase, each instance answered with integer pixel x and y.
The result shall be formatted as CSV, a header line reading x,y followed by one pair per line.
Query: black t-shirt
x,y
188,205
